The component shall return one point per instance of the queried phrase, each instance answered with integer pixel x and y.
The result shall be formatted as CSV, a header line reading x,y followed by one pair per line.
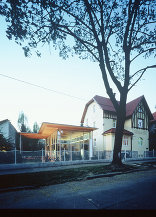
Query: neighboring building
x,y
99,112
152,133
62,138
8,131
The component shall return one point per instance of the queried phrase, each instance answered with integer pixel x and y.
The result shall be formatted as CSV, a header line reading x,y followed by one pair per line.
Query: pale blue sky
x,y
79,78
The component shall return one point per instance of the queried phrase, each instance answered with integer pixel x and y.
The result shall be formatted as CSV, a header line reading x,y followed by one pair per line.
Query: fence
x,y
15,156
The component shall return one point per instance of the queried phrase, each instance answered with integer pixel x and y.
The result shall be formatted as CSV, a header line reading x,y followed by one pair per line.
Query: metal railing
x,y
42,156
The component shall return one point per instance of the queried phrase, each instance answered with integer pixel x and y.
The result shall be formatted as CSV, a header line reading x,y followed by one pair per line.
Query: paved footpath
x,y
135,190
30,168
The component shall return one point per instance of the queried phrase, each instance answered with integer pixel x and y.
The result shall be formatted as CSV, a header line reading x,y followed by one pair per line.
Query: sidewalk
x,y
51,166
31,177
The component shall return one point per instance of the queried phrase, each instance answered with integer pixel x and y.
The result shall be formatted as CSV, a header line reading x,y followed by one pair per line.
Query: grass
x,y
43,178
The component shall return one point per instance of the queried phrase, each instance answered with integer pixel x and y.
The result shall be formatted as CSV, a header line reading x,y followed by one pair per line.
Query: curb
x,y
113,174
3,190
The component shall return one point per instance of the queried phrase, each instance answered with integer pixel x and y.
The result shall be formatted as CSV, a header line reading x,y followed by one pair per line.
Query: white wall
x,y
104,124
97,117
138,133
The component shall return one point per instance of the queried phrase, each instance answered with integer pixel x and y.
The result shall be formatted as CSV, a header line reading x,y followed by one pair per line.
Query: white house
x,y
99,112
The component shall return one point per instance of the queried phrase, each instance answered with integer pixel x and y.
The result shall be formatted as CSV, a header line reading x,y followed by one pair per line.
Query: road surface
x,y
135,190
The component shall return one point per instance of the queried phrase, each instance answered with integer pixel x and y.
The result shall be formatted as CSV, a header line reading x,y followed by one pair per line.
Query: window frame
x,y
114,123
142,123
125,141
140,141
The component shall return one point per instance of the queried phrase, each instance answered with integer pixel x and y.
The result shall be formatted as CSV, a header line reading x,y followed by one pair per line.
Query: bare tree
x,y
114,33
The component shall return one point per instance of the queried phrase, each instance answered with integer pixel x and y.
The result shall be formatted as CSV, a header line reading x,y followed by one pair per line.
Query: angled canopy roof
x,y
47,129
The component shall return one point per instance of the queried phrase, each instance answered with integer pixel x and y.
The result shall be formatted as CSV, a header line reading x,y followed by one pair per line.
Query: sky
x,y
81,79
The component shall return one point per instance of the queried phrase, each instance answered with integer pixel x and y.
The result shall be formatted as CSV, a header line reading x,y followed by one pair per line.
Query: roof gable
x,y
113,130
3,121
131,106
154,115
107,105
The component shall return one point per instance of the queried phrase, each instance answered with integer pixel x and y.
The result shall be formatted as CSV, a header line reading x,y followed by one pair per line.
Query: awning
x,y
47,129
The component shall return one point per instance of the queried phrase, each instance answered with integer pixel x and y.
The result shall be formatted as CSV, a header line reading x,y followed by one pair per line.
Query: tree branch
x,y
150,49
143,69
107,86
92,22
143,43
115,80
69,32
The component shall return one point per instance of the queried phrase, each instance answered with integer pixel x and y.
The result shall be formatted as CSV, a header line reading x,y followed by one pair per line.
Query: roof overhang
x,y
34,135
113,130
47,129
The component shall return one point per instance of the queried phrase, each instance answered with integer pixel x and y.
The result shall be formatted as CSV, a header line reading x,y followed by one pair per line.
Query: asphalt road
x,y
128,191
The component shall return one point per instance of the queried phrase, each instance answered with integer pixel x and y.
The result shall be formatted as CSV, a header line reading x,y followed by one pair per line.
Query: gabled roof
x,y
154,118
131,106
154,115
3,121
106,105
113,130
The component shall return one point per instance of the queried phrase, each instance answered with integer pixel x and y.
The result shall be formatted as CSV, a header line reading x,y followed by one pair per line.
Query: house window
x,y
94,108
125,140
140,123
87,122
114,123
94,123
140,141
140,109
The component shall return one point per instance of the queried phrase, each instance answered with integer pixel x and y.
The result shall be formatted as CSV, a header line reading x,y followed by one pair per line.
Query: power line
x,y
45,88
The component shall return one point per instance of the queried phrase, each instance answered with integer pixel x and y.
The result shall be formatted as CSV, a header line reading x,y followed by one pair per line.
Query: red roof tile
x,y
112,130
131,106
106,105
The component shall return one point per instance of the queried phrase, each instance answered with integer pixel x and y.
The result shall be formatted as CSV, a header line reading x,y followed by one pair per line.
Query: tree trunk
x,y
121,115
